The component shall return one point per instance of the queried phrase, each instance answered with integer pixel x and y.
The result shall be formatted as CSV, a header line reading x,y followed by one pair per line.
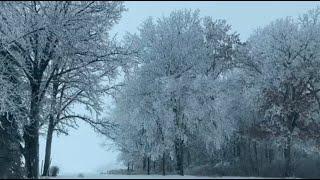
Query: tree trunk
x,y
31,151
287,156
164,164
144,163
31,136
291,124
256,163
251,158
188,157
178,140
51,127
128,168
148,165
41,168
179,156
48,151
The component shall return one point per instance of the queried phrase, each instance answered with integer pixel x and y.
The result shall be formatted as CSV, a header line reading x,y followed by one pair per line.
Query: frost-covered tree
x,y
287,51
169,95
82,89
43,36
198,94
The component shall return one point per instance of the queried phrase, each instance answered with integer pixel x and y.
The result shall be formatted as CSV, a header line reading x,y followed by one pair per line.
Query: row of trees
x,y
53,56
198,96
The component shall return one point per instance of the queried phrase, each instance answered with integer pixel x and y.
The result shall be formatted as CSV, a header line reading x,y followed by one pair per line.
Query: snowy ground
x,y
111,176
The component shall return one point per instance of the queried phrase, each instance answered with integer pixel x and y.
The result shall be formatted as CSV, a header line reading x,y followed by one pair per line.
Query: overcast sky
x,y
81,151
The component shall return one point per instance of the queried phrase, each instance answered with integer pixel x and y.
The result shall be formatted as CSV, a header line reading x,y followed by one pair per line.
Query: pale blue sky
x,y
81,151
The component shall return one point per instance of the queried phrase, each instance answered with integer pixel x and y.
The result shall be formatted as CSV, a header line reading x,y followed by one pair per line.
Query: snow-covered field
x,y
111,176
132,177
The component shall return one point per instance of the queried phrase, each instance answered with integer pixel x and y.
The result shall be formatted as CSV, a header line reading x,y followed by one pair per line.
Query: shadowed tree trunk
x,y
188,157
164,164
48,150
287,156
178,141
31,134
148,165
256,163
50,128
144,163
179,156
291,124
128,168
